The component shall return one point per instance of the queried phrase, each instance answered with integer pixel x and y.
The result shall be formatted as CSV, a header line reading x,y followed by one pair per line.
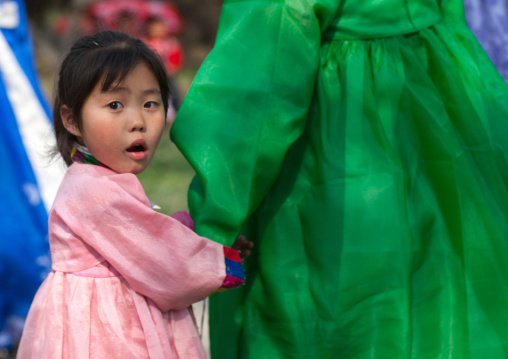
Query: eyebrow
x,y
152,91
118,89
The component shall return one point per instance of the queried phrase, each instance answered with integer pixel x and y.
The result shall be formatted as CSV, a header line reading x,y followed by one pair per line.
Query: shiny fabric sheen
x,y
362,145
372,19
123,275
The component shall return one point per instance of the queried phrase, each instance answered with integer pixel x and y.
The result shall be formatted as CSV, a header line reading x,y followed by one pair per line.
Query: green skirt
x,y
378,208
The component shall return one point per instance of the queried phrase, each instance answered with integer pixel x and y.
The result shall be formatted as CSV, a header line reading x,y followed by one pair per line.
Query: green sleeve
x,y
247,105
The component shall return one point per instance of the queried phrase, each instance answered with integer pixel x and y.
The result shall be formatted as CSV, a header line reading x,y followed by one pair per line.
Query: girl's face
x,y
122,126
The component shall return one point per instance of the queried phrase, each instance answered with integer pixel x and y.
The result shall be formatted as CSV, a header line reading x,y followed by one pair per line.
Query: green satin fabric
x,y
370,171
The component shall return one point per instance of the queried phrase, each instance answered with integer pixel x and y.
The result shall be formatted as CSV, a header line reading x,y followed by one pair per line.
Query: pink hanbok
x,y
124,276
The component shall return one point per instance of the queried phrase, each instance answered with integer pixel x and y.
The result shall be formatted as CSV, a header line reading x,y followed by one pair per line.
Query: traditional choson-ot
x,y
362,145
124,276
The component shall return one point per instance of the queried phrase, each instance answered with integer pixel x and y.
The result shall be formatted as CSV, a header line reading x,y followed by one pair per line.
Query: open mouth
x,y
136,148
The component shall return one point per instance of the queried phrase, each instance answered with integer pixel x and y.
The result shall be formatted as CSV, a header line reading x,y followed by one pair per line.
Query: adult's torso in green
x,y
362,146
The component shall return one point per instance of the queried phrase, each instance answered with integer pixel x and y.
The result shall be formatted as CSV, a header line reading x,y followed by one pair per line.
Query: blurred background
x,y
56,24
188,30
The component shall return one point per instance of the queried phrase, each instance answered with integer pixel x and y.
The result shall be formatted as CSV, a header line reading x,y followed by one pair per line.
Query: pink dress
x,y
124,276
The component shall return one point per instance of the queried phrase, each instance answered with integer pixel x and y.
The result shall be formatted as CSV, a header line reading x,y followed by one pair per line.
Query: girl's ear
x,y
69,121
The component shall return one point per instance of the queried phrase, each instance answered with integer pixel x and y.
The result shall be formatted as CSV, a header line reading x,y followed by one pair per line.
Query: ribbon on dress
x,y
81,154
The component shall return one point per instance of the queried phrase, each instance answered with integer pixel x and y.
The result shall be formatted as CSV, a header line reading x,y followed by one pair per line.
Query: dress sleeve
x,y
160,257
234,270
247,105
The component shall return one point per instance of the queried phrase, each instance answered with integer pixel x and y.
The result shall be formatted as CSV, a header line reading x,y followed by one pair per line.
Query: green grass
x,y
167,178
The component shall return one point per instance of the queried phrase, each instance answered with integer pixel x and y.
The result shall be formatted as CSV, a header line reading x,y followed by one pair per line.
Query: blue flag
x,y
28,178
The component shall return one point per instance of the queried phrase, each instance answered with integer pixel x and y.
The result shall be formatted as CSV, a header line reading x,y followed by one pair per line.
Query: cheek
x,y
100,136
159,124
161,130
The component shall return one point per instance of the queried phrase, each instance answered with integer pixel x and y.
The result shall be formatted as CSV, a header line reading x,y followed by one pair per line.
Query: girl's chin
x,y
136,169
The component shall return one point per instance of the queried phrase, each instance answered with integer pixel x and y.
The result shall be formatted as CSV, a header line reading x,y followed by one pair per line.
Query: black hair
x,y
106,56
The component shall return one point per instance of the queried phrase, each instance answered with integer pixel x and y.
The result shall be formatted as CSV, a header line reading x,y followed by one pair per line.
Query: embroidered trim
x,y
81,154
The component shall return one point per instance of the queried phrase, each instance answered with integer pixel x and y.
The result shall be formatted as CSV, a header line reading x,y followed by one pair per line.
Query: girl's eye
x,y
151,104
115,105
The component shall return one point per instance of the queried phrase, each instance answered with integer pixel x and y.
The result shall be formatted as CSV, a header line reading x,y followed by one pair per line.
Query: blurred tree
x,y
37,9
201,16
201,20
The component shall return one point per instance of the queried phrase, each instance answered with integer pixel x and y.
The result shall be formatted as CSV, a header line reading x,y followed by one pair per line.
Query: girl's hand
x,y
243,246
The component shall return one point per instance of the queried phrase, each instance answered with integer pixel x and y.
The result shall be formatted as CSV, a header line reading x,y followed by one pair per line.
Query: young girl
x,y
124,276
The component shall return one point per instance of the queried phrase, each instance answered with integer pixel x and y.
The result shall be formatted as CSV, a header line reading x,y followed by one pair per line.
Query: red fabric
x,y
232,254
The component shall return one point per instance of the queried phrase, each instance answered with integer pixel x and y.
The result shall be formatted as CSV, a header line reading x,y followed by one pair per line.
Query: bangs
x,y
116,65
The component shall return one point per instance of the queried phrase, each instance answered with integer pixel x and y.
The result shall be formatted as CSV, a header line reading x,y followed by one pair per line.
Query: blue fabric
x,y
234,268
24,248
20,41
488,20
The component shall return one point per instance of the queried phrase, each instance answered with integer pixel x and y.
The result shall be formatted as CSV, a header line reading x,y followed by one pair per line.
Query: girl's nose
x,y
137,122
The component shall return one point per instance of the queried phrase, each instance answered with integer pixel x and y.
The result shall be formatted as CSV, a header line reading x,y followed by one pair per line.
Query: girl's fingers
x,y
242,246
240,242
